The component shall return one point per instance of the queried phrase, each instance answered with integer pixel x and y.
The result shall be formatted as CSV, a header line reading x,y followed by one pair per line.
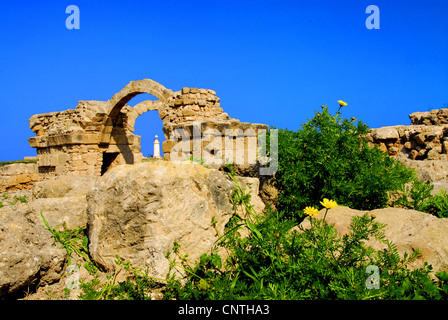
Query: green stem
x,y
325,215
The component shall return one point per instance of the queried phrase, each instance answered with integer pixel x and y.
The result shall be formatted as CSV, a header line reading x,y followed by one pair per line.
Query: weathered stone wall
x,y
218,142
192,104
98,135
67,141
212,135
425,139
434,117
18,176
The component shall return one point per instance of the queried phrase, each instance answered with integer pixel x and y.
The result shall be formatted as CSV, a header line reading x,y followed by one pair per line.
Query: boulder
x,y
28,254
428,170
386,133
64,212
138,211
61,200
408,229
63,186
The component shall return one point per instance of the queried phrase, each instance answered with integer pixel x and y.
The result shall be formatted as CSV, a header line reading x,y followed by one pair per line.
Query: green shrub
x,y
276,262
5,163
418,196
137,286
72,240
330,158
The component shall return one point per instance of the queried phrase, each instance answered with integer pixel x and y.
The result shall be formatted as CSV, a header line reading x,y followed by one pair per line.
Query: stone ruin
x,y
98,135
425,139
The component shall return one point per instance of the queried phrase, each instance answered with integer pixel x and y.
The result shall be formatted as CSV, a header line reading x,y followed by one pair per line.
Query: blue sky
x,y
271,62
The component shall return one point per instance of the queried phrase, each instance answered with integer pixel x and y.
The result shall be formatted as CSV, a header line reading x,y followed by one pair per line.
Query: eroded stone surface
x,y
138,212
408,229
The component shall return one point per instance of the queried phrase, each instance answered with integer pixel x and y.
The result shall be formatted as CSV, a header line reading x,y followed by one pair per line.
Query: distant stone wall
x,y
425,139
18,176
434,117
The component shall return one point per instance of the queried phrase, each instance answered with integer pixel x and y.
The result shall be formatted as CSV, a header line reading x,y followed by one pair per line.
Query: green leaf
x,y
216,261
442,275
254,230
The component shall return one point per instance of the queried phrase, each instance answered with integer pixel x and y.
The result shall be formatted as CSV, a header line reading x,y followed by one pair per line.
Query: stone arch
x,y
119,100
117,142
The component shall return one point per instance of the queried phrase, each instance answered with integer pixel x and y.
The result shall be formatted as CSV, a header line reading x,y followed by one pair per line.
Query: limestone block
x,y
382,147
62,159
414,154
166,202
422,152
23,178
434,153
386,133
125,139
28,253
407,229
188,112
420,138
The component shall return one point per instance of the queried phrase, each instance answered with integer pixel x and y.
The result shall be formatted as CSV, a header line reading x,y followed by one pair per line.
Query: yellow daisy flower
x,y
311,211
342,103
329,203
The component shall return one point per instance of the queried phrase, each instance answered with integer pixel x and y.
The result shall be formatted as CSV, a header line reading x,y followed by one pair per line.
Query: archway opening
x,y
130,130
148,125
108,160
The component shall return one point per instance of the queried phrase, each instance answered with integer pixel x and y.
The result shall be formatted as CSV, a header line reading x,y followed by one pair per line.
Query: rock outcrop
x,y
61,201
28,254
425,139
18,176
139,211
135,211
408,229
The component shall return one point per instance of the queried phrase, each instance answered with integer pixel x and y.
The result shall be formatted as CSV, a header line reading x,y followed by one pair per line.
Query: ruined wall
x,y
434,117
192,104
195,116
67,141
214,142
425,139
97,135
18,176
